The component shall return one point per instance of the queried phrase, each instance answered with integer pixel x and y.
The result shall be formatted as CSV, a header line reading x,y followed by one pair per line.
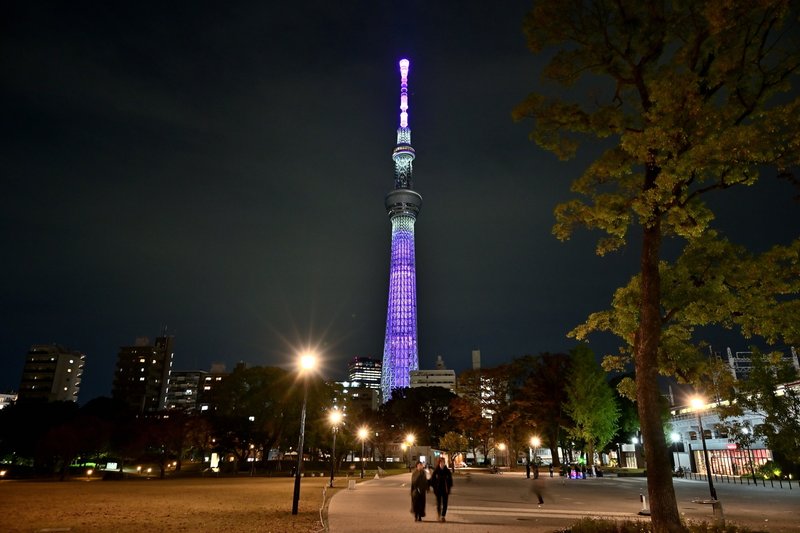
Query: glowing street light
x,y
675,438
307,363
363,432
699,404
408,444
335,418
535,443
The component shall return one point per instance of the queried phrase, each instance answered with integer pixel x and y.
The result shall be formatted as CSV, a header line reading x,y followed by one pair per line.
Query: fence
x,y
741,480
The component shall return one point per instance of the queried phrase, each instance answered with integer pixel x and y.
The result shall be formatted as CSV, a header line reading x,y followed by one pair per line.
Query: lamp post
x,y
502,447
307,363
335,418
748,439
362,435
699,404
675,438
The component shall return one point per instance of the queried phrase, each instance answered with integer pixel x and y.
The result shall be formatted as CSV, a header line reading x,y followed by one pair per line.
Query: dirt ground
x,y
229,505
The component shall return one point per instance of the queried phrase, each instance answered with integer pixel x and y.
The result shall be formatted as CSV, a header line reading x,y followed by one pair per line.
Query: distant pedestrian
x,y
419,486
551,469
537,487
442,482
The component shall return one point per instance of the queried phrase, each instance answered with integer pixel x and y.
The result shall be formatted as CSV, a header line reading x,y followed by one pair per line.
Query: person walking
x,y
538,489
419,486
442,482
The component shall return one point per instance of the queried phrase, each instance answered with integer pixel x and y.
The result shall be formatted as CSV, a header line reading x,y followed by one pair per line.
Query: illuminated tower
x,y
402,204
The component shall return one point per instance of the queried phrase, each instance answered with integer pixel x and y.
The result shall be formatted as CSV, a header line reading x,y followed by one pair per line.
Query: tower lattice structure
x,y
403,203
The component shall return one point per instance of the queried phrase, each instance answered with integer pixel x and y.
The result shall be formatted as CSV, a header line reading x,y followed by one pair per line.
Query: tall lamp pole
x,y
536,442
335,419
699,404
307,363
749,441
362,434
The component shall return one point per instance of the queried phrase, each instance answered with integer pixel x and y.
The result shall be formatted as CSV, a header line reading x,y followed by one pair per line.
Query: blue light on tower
x,y
402,204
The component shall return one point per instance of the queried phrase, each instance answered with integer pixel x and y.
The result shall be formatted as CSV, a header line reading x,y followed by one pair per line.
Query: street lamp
x,y
335,419
699,405
307,363
502,447
362,435
535,442
409,443
675,438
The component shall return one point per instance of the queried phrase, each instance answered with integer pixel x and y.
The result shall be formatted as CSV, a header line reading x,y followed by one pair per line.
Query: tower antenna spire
x,y
403,203
403,153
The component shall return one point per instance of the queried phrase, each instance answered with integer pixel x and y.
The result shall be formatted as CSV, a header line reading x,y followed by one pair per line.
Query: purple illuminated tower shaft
x,y
402,204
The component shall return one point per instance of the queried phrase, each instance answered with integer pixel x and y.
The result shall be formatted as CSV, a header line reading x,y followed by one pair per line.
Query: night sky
x,y
219,168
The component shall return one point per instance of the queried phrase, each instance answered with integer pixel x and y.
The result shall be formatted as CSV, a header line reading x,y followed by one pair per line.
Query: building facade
x,y
210,392
403,204
365,371
51,373
726,457
438,377
183,389
141,379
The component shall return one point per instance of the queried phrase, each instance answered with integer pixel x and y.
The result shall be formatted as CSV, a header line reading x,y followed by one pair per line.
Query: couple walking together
x,y
441,481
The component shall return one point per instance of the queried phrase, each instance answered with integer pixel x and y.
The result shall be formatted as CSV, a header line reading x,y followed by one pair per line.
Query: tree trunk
x,y
663,505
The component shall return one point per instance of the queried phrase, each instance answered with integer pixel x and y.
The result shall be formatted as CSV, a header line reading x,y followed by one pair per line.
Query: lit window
x,y
206,388
141,378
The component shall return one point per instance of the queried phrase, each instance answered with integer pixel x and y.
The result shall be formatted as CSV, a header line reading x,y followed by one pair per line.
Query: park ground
x,y
229,505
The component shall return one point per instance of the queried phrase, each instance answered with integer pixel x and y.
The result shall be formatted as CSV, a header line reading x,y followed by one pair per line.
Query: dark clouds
x,y
221,169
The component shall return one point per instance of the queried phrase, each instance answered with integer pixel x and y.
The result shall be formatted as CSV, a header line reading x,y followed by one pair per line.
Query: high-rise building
x,y
183,389
403,203
211,390
52,373
366,371
141,378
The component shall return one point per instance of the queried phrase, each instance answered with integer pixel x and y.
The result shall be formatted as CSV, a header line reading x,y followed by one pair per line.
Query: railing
x,y
741,480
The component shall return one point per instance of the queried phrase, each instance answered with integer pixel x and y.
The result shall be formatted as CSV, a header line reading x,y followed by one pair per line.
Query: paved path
x,y
483,502
384,505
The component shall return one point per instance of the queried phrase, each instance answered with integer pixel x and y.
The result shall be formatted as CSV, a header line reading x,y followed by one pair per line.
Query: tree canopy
x,y
687,98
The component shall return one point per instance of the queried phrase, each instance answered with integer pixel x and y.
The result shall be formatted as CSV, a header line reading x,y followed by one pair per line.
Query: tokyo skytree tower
x,y
402,204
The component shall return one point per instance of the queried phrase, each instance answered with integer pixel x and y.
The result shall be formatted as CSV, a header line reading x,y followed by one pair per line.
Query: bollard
x,y
645,511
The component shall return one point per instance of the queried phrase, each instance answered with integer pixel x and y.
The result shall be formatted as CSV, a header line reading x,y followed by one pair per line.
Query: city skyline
x,y
218,170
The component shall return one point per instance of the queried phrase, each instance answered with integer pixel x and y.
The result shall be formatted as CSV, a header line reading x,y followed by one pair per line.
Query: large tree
x,y
690,107
591,402
540,396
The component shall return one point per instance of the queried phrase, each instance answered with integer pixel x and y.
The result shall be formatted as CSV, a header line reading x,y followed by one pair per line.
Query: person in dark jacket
x,y
419,486
442,482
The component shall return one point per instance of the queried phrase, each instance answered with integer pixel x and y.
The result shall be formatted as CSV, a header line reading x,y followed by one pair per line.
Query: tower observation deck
x,y
402,204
